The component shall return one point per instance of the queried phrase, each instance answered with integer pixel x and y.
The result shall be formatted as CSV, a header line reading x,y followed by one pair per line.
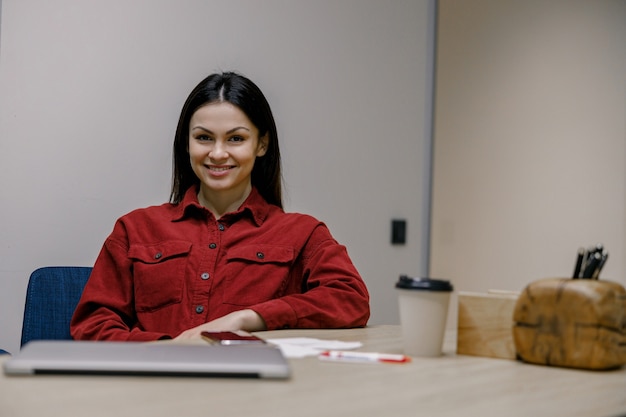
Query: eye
x,y
236,139
202,138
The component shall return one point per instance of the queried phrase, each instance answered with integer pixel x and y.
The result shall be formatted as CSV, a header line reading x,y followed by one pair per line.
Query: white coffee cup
x,y
423,304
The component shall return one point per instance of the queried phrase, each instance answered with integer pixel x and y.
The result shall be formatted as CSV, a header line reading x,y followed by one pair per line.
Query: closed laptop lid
x,y
148,358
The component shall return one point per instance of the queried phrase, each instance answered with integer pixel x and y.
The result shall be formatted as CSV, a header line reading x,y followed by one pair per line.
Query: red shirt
x,y
168,268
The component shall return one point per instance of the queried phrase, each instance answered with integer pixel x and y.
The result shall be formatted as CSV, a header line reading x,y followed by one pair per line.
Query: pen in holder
x,y
577,323
589,262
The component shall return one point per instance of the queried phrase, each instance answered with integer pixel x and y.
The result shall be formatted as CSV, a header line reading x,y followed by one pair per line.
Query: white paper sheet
x,y
299,347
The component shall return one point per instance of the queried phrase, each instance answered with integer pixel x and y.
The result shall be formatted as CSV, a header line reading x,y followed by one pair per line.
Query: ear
x,y
262,146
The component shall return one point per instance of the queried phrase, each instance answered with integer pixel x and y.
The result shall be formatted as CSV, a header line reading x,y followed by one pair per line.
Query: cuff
x,y
277,314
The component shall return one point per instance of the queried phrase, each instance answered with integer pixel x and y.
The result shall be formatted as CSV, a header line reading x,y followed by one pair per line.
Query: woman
x,y
222,255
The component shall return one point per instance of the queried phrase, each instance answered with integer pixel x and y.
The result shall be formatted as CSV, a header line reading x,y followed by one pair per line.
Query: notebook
x,y
141,358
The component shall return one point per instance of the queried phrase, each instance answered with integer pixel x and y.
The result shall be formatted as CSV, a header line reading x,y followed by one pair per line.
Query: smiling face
x,y
223,146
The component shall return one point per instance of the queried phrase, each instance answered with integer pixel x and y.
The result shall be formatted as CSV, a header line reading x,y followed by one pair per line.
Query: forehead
x,y
220,113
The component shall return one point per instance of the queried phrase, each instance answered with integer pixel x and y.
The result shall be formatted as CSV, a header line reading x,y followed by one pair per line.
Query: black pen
x,y
591,265
596,273
579,263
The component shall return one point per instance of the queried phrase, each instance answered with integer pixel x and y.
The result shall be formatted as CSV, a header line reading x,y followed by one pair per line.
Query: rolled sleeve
x,y
277,314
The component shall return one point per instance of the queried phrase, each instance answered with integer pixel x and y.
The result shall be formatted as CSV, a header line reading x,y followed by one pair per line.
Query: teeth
x,y
219,169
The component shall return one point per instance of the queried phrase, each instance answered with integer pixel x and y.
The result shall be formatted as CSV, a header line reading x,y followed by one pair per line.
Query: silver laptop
x,y
140,358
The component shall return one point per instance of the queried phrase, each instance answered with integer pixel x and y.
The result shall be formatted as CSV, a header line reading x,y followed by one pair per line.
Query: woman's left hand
x,y
247,320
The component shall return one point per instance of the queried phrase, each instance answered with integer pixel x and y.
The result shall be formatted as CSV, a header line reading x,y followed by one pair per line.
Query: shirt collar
x,y
254,206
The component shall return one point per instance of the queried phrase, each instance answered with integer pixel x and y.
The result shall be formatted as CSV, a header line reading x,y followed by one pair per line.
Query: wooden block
x,y
577,323
485,322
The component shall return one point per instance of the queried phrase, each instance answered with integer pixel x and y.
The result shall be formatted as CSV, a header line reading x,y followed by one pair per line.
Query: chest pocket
x,y
159,273
257,273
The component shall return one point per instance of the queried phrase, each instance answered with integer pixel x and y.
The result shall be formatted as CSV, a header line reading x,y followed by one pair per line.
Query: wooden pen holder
x,y
577,323
484,324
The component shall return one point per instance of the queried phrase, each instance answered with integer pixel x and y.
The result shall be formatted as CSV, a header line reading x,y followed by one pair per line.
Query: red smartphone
x,y
232,338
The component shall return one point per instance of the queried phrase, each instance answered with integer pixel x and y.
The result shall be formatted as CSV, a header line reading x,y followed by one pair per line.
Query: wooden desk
x,y
447,386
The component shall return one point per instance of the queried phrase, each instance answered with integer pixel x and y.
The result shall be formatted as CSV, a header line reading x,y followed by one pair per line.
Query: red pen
x,y
342,355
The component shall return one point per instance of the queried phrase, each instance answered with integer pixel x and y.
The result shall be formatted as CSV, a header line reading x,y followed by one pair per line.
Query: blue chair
x,y
51,298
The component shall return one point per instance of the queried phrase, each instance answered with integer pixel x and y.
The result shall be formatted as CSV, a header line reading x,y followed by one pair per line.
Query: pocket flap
x,y
159,252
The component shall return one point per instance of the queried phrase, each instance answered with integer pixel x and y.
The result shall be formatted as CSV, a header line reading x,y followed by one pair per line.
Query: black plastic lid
x,y
427,284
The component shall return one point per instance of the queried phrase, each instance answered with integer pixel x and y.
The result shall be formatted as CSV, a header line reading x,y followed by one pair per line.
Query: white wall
x,y
90,94
530,140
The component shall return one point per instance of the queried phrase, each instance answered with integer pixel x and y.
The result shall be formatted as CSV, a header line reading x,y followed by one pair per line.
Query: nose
x,y
218,152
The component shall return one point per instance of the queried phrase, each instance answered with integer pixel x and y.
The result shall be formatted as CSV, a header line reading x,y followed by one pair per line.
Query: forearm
x,y
101,324
317,308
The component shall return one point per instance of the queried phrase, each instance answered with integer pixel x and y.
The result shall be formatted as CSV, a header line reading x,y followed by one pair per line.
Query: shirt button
x,y
221,227
205,276
199,309
260,255
213,246
158,255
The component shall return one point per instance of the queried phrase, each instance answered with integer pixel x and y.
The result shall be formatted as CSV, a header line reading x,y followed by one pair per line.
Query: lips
x,y
218,171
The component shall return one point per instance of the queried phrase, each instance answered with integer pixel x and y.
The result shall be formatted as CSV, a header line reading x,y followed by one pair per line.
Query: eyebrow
x,y
234,129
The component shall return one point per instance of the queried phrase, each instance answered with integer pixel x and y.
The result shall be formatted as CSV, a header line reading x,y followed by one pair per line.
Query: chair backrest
x,y
51,298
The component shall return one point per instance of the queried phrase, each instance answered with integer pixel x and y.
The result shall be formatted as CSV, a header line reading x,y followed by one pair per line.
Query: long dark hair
x,y
240,91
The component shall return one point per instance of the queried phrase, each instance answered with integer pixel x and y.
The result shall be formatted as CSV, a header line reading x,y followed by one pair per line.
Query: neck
x,y
220,203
